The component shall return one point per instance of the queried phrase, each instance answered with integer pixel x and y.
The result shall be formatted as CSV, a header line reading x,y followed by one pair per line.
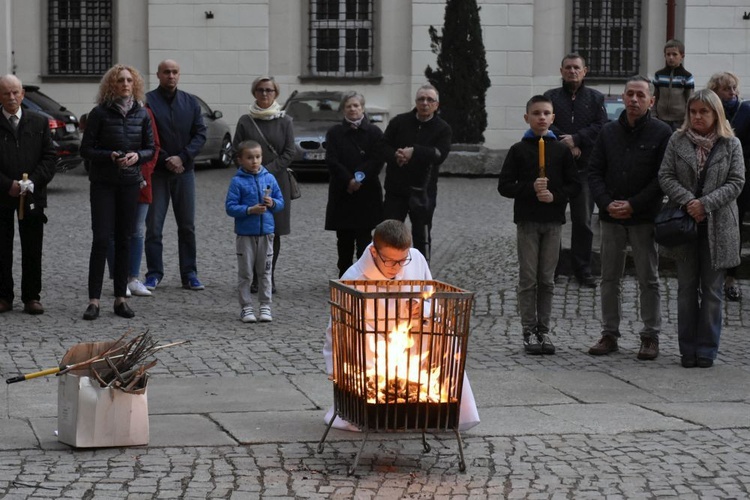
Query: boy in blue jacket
x,y
540,174
252,198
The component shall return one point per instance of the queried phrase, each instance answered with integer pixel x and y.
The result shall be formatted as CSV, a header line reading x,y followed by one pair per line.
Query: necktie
x,y
14,121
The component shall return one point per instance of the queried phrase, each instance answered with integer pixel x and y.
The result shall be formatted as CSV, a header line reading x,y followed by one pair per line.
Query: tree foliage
x,y
461,74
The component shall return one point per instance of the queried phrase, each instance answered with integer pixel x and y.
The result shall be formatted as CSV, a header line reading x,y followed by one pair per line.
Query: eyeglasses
x,y
428,100
393,263
265,91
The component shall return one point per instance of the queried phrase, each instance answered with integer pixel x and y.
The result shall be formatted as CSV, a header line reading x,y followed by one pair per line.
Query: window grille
x,y
79,37
607,33
341,38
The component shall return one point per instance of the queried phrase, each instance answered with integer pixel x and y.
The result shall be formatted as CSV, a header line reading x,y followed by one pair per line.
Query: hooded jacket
x,y
247,190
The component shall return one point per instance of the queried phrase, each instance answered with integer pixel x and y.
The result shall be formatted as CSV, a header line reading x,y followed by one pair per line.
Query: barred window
x,y
79,37
607,33
341,38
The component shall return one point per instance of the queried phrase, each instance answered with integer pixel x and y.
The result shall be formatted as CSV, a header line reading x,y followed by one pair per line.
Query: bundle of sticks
x,y
121,365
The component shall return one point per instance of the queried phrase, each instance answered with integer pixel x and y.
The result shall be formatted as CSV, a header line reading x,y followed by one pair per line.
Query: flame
x,y
399,375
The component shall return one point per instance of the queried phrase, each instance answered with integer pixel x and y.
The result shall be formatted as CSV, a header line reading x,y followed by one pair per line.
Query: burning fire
x,y
398,376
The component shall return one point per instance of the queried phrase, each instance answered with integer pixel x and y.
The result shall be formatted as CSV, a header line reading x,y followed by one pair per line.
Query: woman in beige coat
x,y
703,172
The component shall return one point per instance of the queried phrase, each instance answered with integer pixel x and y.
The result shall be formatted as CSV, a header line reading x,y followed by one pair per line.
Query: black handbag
x,y
673,227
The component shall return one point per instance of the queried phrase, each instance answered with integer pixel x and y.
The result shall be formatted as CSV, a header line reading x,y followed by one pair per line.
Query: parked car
x,y
614,106
314,112
63,125
218,148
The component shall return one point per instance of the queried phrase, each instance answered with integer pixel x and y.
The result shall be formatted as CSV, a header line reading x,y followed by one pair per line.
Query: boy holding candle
x,y
540,174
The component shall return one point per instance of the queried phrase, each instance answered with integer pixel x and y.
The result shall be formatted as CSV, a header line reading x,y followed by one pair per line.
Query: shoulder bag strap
x,y
271,148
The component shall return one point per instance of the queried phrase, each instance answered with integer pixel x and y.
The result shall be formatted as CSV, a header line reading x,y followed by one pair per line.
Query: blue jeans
x,y
700,300
180,188
538,246
136,245
615,239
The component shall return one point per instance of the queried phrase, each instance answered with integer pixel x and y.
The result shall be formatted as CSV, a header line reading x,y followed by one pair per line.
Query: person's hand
x,y
174,164
545,196
696,210
257,209
567,139
15,189
540,184
353,186
576,151
620,209
403,155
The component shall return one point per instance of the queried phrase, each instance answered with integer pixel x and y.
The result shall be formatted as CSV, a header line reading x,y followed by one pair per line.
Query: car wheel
x,y
225,154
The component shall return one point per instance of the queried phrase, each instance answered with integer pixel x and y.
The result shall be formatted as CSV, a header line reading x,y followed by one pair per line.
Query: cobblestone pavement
x,y
474,249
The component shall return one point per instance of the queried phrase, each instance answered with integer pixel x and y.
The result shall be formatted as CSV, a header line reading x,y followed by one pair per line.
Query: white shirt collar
x,y
7,115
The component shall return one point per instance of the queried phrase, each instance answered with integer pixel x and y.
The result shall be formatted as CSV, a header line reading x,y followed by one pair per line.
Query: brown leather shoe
x,y
606,344
5,306
33,307
649,349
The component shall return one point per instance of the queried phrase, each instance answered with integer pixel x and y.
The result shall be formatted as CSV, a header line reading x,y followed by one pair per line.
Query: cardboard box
x,y
90,416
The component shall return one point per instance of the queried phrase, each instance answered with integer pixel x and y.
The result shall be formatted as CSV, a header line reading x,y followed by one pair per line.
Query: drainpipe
x,y
670,19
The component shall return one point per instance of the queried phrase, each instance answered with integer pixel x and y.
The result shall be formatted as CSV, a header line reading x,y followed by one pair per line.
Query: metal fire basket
x,y
399,353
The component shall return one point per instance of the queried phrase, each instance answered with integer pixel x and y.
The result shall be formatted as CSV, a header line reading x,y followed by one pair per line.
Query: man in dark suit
x,y
414,145
25,148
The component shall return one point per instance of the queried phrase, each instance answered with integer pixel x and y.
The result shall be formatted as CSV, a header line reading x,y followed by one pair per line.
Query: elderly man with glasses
x,y
415,144
391,257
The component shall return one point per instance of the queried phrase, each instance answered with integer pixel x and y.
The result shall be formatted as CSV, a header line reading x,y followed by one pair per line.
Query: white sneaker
x,y
127,292
265,313
247,315
138,289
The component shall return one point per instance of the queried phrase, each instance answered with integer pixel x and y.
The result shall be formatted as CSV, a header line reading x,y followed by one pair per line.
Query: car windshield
x,y
314,110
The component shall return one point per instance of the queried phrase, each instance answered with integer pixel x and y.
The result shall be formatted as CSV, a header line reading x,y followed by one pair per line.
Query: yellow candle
x,y
542,172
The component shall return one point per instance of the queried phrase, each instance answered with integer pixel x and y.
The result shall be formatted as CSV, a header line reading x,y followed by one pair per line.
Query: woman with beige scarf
x,y
266,124
703,172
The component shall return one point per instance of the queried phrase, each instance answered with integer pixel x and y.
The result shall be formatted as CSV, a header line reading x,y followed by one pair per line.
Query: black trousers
x,y
31,232
397,207
347,241
113,212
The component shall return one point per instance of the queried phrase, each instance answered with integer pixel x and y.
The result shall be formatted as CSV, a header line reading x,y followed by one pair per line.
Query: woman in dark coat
x,y
727,87
355,196
266,124
118,139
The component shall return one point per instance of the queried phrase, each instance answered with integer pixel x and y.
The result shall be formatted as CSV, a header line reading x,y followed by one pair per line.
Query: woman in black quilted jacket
x,y
117,140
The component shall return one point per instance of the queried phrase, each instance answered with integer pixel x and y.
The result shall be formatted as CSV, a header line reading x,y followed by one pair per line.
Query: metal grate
x,y
79,37
399,354
341,38
607,34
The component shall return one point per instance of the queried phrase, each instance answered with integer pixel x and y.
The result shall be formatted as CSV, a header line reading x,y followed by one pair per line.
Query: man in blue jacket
x,y
182,134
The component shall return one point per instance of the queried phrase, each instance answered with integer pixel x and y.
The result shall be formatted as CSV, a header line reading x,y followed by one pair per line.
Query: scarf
x,y
703,145
123,104
270,113
355,124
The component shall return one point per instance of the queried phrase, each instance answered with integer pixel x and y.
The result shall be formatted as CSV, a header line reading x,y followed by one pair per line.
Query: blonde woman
x,y
703,171
118,139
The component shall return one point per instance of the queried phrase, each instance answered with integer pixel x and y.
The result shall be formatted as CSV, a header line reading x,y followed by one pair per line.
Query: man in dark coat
x,y
25,148
623,177
579,115
415,144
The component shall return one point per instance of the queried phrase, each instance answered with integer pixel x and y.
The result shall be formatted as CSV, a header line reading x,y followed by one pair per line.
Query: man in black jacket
x,y
414,145
579,115
25,148
623,177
